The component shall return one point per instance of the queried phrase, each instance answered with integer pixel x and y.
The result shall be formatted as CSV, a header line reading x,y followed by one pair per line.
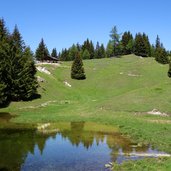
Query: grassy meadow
x,y
117,91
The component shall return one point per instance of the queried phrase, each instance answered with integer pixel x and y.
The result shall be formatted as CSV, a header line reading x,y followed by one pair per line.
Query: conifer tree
x,y
77,69
17,70
160,52
54,53
115,38
100,51
72,52
64,55
85,54
141,45
41,51
109,49
127,43
23,83
4,62
90,47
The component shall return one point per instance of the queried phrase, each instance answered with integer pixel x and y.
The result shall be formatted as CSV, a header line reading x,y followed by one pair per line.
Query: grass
x,y
117,91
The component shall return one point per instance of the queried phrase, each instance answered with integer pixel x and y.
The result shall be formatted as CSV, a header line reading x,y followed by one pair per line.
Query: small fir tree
x,y
77,69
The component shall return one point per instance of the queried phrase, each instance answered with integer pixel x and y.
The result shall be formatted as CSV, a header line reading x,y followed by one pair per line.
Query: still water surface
x,y
78,146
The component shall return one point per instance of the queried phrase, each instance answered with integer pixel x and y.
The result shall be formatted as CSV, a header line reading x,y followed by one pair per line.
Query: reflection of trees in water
x,y
14,147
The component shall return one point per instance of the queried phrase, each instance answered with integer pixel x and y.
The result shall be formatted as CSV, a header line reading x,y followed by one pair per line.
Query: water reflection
x,y
78,146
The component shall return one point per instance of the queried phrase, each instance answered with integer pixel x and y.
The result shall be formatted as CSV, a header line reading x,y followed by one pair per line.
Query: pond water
x,y
78,146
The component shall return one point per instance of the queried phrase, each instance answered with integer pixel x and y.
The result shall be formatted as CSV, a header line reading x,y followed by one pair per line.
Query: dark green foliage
x,y
141,45
127,43
160,53
169,71
64,55
89,46
54,53
3,96
109,49
41,51
152,51
85,54
77,69
161,56
100,51
115,38
17,69
72,52
17,41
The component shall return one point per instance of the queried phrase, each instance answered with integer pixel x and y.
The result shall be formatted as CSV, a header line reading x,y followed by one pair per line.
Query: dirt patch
x,y
43,70
160,121
67,84
133,75
157,112
41,105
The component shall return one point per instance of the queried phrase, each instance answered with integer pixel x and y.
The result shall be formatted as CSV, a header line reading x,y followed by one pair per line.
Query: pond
x,y
77,146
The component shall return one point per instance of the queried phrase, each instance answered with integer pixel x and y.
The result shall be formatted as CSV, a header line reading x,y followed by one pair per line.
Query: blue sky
x,y
64,22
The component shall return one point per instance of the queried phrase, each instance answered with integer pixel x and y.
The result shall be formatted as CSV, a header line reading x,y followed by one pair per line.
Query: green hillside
x,y
117,91
128,84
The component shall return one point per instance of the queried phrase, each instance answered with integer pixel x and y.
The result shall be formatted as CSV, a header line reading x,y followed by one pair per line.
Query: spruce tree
x,y
160,53
109,49
141,45
100,51
54,53
23,83
17,70
41,51
77,69
72,52
127,43
115,38
90,47
64,55
85,54
4,62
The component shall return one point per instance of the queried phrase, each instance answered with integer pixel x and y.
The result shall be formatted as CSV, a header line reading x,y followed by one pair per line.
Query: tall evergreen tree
x,y
115,38
77,69
64,55
72,52
89,46
41,51
54,53
141,45
18,81
18,43
100,51
127,43
109,49
23,83
85,54
4,62
160,52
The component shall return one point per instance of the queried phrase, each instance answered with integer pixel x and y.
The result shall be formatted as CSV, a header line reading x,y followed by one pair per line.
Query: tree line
x,y
119,44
